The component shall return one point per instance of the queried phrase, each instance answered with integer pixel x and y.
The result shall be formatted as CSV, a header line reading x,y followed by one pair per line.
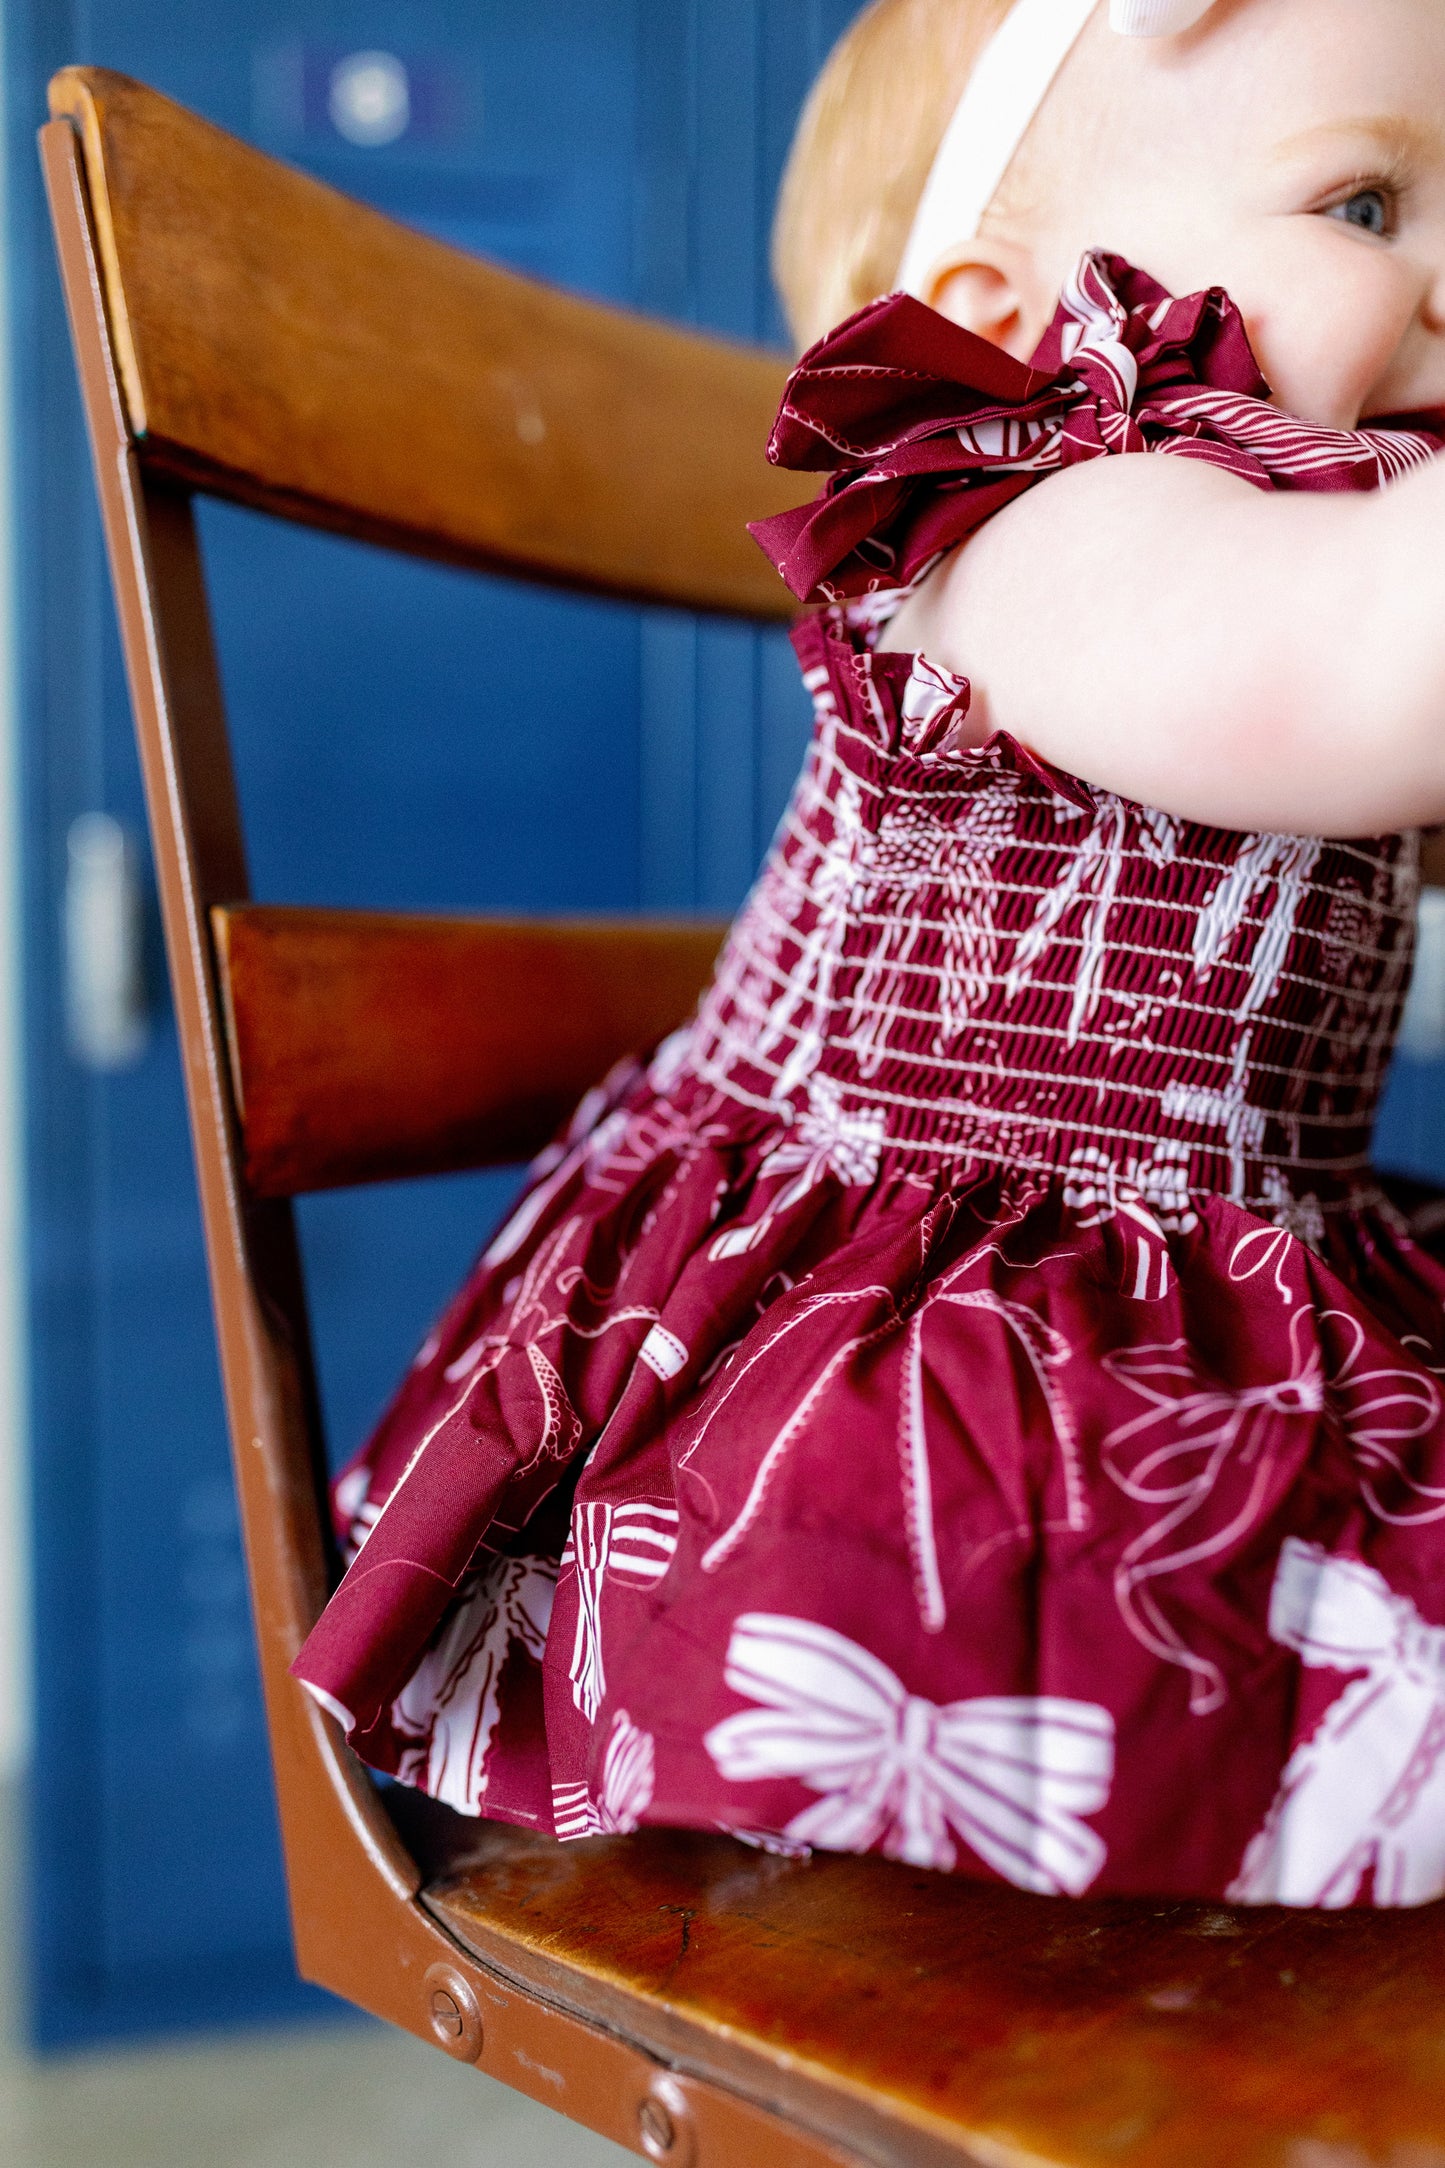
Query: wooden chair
x,y
242,331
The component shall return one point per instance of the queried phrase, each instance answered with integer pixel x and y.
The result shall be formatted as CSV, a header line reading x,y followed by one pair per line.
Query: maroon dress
x,y
968,1397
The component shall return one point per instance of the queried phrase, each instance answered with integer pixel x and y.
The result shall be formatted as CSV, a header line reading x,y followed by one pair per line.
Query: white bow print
x,y
1010,1776
1367,1791
449,1707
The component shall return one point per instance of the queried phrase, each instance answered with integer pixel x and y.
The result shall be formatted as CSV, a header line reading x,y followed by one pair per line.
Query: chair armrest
x,y
366,1046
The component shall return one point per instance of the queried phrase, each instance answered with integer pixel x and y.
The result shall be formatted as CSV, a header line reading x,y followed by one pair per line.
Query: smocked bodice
x,y
959,959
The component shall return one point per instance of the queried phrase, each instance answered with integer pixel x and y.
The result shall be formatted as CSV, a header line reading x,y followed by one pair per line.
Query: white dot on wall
x,y
369,99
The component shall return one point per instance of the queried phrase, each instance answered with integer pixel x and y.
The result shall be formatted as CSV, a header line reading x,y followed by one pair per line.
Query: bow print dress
x,y
967,1396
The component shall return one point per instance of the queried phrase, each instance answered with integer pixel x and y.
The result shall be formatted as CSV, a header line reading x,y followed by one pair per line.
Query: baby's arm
x,y
1250,659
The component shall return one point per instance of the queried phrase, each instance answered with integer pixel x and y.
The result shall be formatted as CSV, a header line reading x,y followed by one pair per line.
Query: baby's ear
x,y
992,287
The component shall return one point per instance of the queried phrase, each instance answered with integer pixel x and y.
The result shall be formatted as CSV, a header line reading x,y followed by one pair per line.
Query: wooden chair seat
x,y
242,330
873,1999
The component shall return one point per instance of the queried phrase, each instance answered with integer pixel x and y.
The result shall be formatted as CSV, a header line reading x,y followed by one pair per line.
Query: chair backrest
x,y
278,343
364,1045
242,330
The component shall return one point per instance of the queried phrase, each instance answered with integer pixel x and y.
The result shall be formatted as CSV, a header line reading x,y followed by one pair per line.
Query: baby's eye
x,y
1367,208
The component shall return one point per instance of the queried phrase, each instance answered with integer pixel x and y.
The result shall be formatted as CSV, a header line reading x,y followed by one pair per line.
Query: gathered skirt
x,y
980,1522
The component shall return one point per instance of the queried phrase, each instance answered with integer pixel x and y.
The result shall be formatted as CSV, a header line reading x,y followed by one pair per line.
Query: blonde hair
x,y
867,140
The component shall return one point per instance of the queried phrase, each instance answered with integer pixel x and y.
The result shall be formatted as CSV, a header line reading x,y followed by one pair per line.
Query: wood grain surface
x,y
278,343
1027,2030
365,1046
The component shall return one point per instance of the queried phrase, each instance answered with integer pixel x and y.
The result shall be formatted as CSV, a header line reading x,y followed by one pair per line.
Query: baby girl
x,y
969,1397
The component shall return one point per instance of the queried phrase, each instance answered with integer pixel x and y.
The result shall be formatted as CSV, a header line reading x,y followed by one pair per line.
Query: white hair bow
x,y
1155,18
1004,93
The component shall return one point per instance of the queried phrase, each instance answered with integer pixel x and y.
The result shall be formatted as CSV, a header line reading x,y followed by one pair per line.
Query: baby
x,y
969,1397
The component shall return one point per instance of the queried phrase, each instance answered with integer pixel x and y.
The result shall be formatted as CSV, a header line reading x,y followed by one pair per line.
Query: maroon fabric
x,y
968,1396
928,430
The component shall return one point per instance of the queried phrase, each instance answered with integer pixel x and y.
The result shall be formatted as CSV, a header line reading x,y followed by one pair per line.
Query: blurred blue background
x,y
406,736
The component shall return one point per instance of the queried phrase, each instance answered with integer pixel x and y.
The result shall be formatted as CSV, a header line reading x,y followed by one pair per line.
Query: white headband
x,y
992,118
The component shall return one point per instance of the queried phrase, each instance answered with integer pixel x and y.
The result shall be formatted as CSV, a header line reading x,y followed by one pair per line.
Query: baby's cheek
x,y
1329,339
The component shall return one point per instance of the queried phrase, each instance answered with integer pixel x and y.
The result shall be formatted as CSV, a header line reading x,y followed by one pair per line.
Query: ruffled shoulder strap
x,y
926,430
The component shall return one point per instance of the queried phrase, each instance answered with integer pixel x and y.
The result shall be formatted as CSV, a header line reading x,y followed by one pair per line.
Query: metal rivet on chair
x,y
453,2012
664,2124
